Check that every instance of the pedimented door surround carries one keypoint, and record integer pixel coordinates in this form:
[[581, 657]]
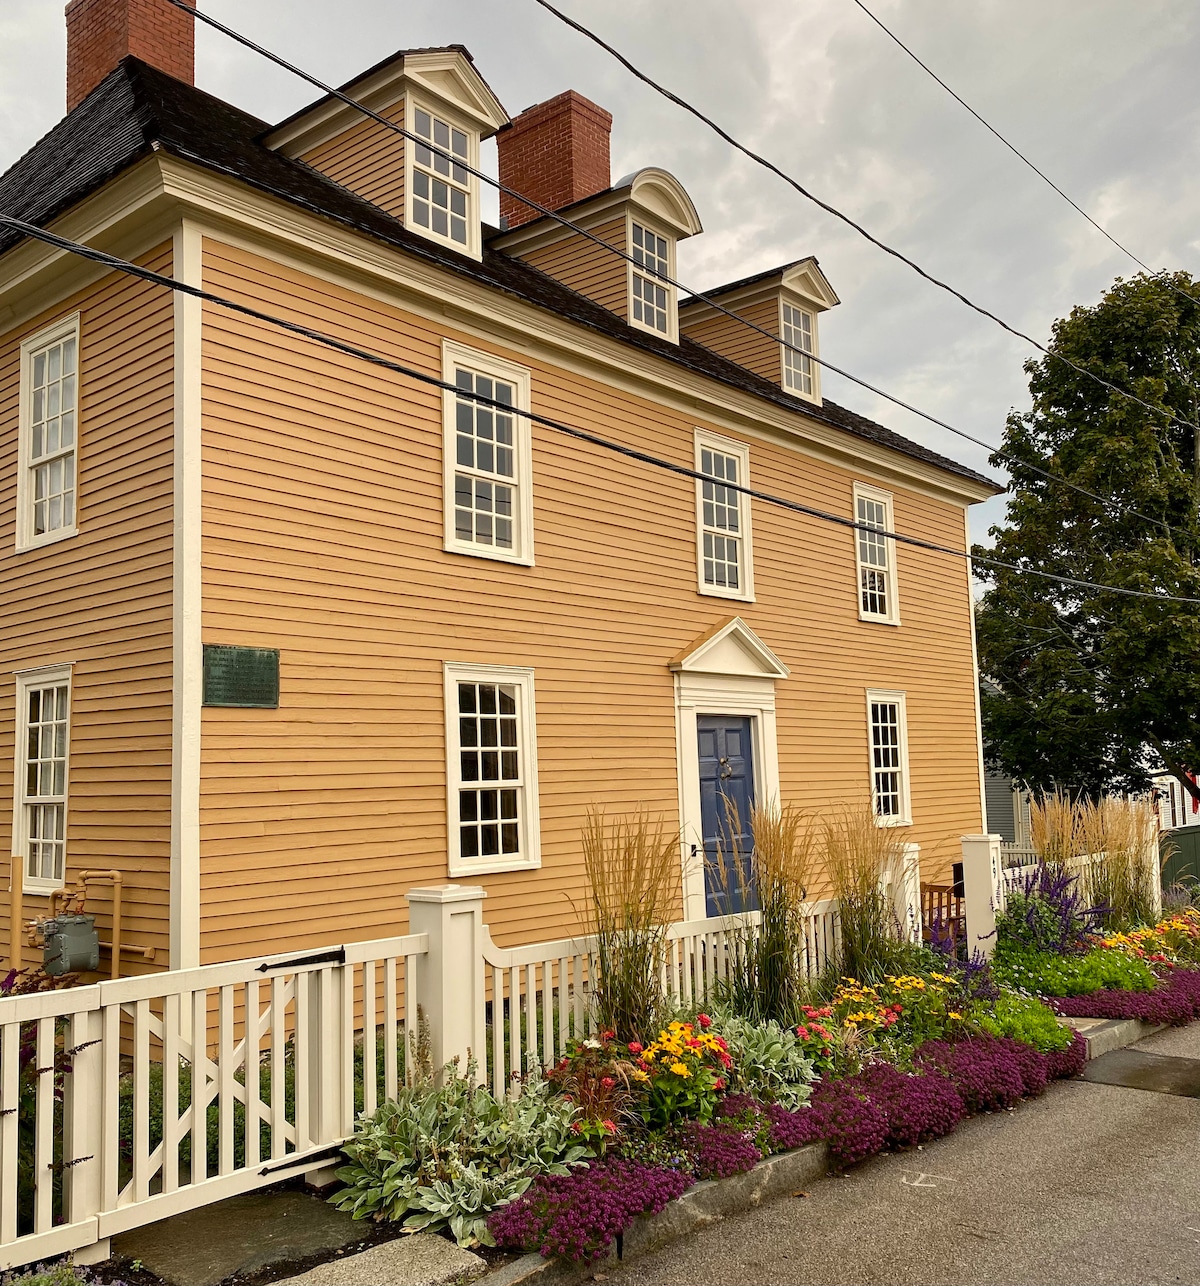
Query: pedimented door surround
[[728, 671]]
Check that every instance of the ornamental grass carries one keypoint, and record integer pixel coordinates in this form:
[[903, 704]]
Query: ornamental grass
[[632, 866], [770, 977], [864, 861], [1121, 835]]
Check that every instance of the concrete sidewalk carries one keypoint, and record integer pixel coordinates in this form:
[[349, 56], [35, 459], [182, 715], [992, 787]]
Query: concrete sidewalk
[[1093, 1184]]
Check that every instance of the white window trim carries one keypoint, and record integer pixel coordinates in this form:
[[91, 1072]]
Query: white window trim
[[454, 354], [61, 330], [714, 441], [43, 676], [672, 333], [474, 246], [521, 677], [815, 395], [892, 616], [900, 699]]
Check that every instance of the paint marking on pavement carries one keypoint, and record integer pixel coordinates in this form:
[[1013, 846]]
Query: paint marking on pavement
[[919, 1181]]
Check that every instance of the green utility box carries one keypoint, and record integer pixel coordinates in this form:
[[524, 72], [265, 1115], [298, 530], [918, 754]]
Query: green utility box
[[71, 945]]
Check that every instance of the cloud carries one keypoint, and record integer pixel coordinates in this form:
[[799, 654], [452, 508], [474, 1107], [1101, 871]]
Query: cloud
[[1100, 93]]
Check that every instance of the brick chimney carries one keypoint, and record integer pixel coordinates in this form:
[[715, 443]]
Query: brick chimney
[[555, 152], [101, 32]]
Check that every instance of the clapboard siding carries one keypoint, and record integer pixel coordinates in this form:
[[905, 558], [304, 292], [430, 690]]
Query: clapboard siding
[[102, 599], [588, 268], [323, 537], [368, 158], [735, 340]]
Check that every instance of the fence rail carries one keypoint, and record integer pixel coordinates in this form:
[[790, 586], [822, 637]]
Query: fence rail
[[536, 998]]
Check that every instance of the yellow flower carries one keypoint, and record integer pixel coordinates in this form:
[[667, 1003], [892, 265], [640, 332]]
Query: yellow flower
[[954, 1015], [680, 1070]]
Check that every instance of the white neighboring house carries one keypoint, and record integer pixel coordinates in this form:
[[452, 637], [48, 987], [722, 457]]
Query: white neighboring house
[[1176, 808]]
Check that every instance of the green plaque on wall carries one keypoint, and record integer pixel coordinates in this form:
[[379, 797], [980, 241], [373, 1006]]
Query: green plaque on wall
[[247, 677]]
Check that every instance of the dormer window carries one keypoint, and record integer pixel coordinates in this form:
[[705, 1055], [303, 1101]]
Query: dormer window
[[798, 328], [441, 189], [651, 303]]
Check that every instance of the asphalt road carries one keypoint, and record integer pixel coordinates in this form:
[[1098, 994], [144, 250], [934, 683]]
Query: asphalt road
[[1089, 1184]]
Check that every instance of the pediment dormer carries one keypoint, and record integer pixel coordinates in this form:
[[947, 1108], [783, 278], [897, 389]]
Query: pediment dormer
[[731, 649], [434, 93], [784, 303]]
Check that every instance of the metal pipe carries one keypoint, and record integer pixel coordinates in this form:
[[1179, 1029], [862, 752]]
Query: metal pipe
[[16, 891], [114, 878]]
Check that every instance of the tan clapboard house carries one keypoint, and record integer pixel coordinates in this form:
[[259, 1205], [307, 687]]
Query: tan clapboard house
[[285, 634]]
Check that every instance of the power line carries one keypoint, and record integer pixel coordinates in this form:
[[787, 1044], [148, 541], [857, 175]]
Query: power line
[[847, 220], [582, 435], [887, 31], [562, 220]]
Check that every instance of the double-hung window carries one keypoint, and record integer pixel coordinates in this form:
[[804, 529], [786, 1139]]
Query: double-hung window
[[724, 558], [488, 457], [887, 726], [441, 187], [492, 769], [652, 304], [43, 739], [875, 556], [49, 418], [799, 369]]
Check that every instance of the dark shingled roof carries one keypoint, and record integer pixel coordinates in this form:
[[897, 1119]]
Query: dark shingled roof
[[138, 109]]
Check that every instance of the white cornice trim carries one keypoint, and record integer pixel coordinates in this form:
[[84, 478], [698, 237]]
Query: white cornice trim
[[269, 226]]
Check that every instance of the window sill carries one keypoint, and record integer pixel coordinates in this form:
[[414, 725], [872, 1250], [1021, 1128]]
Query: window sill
[[670, 336], [42, 889], [40, 542], [737, 596], [464, 869], [491, 555], [878, 620], [890, 823]]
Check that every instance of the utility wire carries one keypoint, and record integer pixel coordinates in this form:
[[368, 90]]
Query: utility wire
[[565, 222], [846, 219], [987, 125], [116, 264]]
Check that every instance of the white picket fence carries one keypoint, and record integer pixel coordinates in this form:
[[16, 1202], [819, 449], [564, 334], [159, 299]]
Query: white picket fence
[[536, 998], [126, 1102], [109, 1093]]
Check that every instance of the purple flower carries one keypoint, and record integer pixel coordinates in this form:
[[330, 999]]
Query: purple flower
[[578, 1215], [1175, 1001]]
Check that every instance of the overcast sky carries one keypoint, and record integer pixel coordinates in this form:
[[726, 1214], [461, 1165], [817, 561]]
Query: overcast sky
[[1101, 94]]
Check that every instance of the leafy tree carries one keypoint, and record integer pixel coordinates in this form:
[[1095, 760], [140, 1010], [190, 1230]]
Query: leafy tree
[[1096, 690]]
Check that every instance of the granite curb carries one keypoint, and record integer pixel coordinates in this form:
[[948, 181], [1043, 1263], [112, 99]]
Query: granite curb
[[1103, 1035]]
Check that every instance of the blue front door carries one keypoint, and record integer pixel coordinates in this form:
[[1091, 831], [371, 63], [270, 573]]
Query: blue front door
[[726, 791]]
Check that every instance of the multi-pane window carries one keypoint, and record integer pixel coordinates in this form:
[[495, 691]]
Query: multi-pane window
[[485, 480], [650, 295], [487, 450], [492, 777], [874, 550], [889, 756], [722, 515], [50, 432], [797, 334], [441, 192], [42, 776]]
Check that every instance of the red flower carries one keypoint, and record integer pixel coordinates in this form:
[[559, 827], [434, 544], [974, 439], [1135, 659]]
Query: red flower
[[705, 1021], [719, 1083], [899, 1009], [635, 1047], [607, 1082], [726, 1060], [609, 1126], [802, 1032], [720, 1040], [608, 1035]]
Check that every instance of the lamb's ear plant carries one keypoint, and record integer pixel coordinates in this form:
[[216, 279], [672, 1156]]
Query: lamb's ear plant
[[445, 1156], [633, 870], [768, 1061]]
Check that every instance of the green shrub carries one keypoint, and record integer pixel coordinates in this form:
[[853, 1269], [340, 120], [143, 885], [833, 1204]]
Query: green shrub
[[445, 1156], [54, 1275], [768, 1061], [1045, 973], [1026, 1019]]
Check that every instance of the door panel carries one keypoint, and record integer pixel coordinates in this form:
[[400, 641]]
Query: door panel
[[726, 782]]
